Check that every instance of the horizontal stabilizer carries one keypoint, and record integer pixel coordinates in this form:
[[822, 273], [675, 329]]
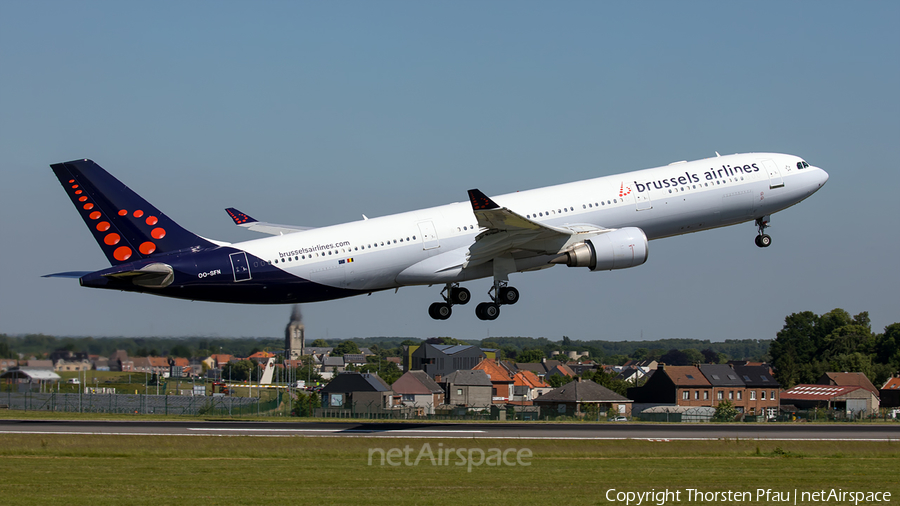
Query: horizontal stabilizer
[[69, 274], [158, 275], [245, 220]]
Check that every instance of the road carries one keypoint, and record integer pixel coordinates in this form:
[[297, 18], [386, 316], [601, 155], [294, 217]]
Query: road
[[609, 430]]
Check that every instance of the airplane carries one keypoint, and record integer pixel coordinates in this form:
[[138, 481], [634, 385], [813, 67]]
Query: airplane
[[600, 224]]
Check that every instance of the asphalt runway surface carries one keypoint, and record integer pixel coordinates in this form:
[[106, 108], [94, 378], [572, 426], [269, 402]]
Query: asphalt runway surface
[[599, 431]]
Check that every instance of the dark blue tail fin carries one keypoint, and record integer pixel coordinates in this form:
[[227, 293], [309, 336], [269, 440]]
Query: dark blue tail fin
[[126, 226]]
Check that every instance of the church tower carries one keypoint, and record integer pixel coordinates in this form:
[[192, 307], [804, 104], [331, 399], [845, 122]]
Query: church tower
[[294, 336]]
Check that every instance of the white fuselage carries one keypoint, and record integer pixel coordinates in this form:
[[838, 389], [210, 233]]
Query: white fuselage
[[428, 246]]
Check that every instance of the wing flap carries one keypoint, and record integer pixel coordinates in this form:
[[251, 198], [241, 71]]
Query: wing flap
[[506, 232]]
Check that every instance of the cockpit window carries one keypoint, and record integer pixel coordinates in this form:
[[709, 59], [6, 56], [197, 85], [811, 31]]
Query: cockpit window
[[802, 165]]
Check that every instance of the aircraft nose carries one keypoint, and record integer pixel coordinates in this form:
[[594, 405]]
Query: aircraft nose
[[823, 177]]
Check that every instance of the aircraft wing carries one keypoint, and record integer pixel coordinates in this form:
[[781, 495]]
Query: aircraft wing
[[244, 220], [506, 232]]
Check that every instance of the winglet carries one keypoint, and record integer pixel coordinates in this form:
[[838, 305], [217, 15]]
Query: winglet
[[481, 201], [239, 217]]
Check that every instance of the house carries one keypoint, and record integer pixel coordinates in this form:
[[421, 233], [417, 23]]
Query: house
[[467, 388], [360, 392], [318, 350], [418, 390], [682, 385], [151, 365], [119, 361], [575, 397], [848, 399], [633, 375], [355, 359], [645, 365], [8, 363], [333, 365], [501, 380], [527, 387], [890, 393], [261, 356], [848, 379], [761, 396], [540, 369], [725, 383], [442, 359]]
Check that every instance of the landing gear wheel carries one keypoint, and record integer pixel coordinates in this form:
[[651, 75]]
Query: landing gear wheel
[[460, 295], [440, 310], [508, 295], [487, 311], [763, 241]]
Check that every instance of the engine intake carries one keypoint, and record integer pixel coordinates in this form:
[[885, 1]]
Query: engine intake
[[619, 249]]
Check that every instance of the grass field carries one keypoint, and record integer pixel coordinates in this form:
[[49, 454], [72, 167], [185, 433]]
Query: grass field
[[100, 470]]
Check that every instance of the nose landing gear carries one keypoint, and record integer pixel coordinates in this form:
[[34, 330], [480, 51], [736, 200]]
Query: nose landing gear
[[762, 239]]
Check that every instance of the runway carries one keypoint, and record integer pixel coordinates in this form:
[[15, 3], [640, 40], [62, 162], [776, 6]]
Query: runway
[[529, 430]]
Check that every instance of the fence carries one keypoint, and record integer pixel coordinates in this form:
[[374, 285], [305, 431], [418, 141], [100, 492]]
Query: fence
[[142, 404]]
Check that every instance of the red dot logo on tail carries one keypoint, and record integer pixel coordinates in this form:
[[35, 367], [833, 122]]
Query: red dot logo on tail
[[122, 253]]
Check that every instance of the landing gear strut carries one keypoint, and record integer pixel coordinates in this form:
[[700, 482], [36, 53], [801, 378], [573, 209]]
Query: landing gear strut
[[452, 294], [762, 239], [500, 294]]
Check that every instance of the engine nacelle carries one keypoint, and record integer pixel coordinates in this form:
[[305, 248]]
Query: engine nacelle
[[619, 249]]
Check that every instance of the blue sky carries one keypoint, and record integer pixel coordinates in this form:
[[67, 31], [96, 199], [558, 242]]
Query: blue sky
[[316, 113]]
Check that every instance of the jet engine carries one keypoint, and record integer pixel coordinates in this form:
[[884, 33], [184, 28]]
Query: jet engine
[[618, 249]]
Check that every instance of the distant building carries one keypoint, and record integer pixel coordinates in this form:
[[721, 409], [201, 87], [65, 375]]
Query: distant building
[[442, 359], [294, 336], [467, 388], [360, 392], [890, 393], [418, 390], [575, 397], [849, 399], [848, 379], [501, 380]]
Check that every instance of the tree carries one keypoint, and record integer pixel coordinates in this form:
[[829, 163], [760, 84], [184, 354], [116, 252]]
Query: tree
[[709, 356], [532, 356], [5, 349], [675, 357], [558, 380], [345, 348], [725, 412], [240, 370], [319, 343], [181, 350], [639, 353], [306, 404]]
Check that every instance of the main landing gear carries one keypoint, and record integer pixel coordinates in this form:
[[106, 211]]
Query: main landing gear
[[500, 294], [453, 294], [762, 239]]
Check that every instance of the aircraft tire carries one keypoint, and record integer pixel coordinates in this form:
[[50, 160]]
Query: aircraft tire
[[508, 295], [460, 295], [764, 241], [487, 311], [440, 310]]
